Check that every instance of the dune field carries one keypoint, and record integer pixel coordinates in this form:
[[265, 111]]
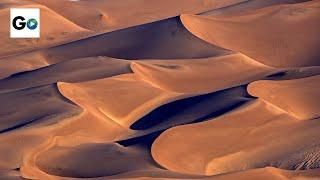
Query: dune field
[[162, 89]]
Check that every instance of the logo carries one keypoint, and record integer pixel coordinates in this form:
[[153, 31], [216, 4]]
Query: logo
[[32, 24], [25, 23]]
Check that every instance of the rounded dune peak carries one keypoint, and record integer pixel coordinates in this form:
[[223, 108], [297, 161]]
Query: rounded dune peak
[[252, 136], [280, 36], [204, 74], [161, 89], [298, 97], [123, 99]]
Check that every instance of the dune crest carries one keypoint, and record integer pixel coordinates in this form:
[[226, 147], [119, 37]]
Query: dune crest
[[118, 102], [72, 71], [122, 44], [219, 139], [299, 97], [54, 30], [170, 89], [281, 36], [111, 15], [204, 74]]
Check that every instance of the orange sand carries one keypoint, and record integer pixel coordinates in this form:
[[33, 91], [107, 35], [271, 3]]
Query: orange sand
[[148, 89]]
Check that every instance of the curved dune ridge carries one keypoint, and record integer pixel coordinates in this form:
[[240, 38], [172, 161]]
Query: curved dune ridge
[[112, 14], [139, 89], [75, 70], [55, 29], [299, 97], [62, 24], [206, 74], [122, 104], [221, 151], [89, 155], [283, 36], [132, 43], [241, 7]]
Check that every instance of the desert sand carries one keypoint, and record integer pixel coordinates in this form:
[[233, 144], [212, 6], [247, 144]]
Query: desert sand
[[264, 34], [140, 90]]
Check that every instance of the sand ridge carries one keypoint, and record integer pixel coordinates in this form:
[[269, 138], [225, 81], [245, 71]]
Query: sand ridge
[[206, 74], [139, 89], [55, 29], [236, 156], [272, 35], [122, 44]]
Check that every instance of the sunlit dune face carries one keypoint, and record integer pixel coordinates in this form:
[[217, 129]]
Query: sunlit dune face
[[170, 89]]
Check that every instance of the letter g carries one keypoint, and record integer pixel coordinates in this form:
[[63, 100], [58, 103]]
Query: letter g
[[19, 26]]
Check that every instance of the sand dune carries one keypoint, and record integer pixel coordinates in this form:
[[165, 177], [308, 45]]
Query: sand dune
[[15, 114], [193, 109], [112, 14], [54, 30], [45, 107], [37, 137], [147, 89], [205, 74], [145, 94], [299, 97], [62, 25], [269, 173], [242, 7], [97, 160], [221, 151], [139, 99], [285, 35], [262, 173], [133, 43], [10, 175], [21, 63], [102, 108], [295, 73], [60, 152], [76, 70], [9, 3]]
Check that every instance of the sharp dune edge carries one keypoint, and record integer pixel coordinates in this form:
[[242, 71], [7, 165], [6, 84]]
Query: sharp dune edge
[[162, 90]]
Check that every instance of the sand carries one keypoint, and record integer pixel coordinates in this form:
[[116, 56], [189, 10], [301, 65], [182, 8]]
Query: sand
[[118, 102], [131, 43], [242, 7], [221, 151], [139, 90], [75, 70], [278, 36], [55, 29], [206, 74], [111, 15], [297, 97]]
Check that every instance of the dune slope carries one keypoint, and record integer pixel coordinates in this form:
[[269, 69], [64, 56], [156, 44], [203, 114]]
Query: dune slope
[[76, 70], [242, 7], [170, 89], [110, 15], [137, 42], [213, 147], [282, 36], [299, 97], [55, 29], [205, 74]]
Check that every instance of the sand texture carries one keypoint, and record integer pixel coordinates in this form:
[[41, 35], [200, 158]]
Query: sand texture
[[162, 90]]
